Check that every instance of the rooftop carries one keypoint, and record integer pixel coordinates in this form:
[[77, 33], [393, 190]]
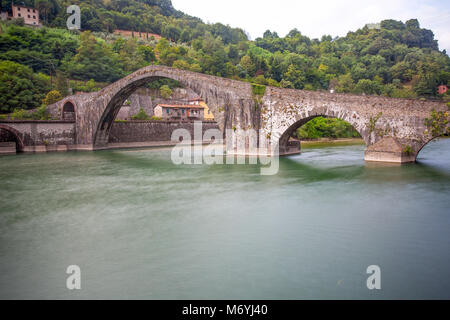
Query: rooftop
[[180, 106], [21, 6]]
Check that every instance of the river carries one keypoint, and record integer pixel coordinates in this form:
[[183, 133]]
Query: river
[[140, 227]]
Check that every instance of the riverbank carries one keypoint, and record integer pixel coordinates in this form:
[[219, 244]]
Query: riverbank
[[327, 142]]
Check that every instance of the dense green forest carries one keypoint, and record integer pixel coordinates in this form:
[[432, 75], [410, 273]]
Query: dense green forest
[[395, 59], [324, 127]]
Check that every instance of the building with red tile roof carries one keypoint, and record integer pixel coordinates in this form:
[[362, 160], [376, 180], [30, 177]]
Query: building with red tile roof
[[179, 112]]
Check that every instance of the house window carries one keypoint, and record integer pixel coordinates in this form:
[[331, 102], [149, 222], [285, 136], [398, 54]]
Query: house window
[[19, 15], [28, 10], [18, 9], [34, 17], [28, 16], [182, 111]]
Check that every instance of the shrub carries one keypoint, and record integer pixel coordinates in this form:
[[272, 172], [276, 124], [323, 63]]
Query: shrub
[[20, 114], [141, 115], [272, 82], [403, 93], [88, 86], [258, 89], [260, 80], [407, 149], [196, 67], [41, 113]]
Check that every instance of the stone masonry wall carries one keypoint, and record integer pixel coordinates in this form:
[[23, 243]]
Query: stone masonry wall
[[42, 133]]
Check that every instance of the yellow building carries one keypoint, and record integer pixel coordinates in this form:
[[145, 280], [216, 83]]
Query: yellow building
[[207, 115]]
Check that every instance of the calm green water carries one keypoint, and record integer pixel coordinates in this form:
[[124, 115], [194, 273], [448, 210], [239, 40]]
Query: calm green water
[[140, 227]]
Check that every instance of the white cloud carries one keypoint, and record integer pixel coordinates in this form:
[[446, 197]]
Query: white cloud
[[320, 17]]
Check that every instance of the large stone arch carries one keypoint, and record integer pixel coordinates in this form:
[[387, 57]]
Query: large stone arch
[[297, 121], [222, 96], [17, 135], [285, 110]]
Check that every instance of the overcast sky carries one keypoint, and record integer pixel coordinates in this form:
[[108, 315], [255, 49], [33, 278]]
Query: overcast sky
[[315, 18]]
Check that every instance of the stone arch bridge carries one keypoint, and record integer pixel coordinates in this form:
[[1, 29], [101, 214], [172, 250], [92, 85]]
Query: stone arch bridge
[[393, 129]]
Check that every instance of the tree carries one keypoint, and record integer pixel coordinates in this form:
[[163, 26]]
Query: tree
[[181, 64], [171, 32], [130, 56], [44, 8], [326, 127], [52, 97], [428, 78], [368, 86], [147, 53], [94, 60], [20, 87], [61, 84], [402, 70], [345, 84], [247, 65], [295, 76], [165, 92]]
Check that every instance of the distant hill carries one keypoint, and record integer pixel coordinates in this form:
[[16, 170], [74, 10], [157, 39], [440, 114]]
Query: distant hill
[[155, 16], [391, 58]]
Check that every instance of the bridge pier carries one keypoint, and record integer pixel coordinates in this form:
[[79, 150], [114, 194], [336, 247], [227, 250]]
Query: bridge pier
[[291, 148], [392, 157], [391, 150]]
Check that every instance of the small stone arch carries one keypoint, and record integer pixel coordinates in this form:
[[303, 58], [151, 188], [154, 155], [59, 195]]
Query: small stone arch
[[68, 112], [17, 136]]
